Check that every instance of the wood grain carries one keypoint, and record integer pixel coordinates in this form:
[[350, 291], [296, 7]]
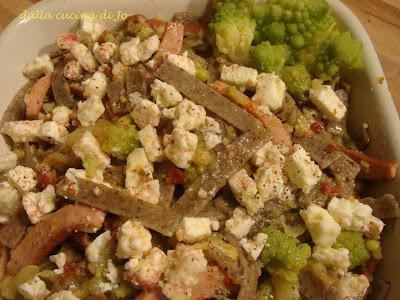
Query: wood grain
[[381, 19]]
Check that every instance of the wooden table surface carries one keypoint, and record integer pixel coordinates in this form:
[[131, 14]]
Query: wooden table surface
[[381, 18]]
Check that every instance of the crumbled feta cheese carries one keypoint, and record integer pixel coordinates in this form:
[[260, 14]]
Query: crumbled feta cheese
[[119, 70], [322, 226], [245, 190], [254, 246], [34, 289], [8, 159], [138, 168], [144, 111], [73, 70], [268, 154], [62, 295], [104, 52], [270, 91], [240, 76], [180, 147], [67, 40], [129, 51], [188, 116], [214, 225], [352, 286], [165, 94], [93, 251], [325, 99], [270, 182], [148, 191], [103, 287], [60, 259], [85, 58], [36, 205], [211, 132], [61, 115], [90, 110], [72, 175], [39, 66], [148, 47], [94, 30], [111, 272], [183, 62], [23, 131], [351, 215], [151, 143], [147, 271], [184, 266], [239, 224], [96, 85], [9, 202], [374, 228], [134, 240], [53, 132], [192, 230], [23, 178], [337, 259], [87, 147], [301, 170]]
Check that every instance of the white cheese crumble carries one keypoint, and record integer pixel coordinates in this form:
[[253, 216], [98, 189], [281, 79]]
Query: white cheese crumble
[[180, 147], [254, 246], [187, 115], [301, 170], [245, 190], [239, 224], [183, 62], [327, 102], [62, 115], [134, 240], [93, 29], [240, 76], [93, 251], [95, 86], [138, 169], [192, 230], [8, 159], [151, 143], [148, 47], [73, 70], [37, 205], [322, 226], [39, 66], [23, 131], [350, 214], [336, 259], [53, 133], [270, 91], [90, 110], [165, 94], [60, 259], [129, 51], [9, 202], [84, 56], [23, 178], [34, 289], [211, 132], [144, 111]]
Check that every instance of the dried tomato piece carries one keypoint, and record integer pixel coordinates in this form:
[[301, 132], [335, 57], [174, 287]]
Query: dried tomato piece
[[46, 176], [176, 176], [329, 189], [317, 126], [331, 148]]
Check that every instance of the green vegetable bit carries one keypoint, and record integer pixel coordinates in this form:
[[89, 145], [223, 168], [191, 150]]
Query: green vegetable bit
[[268, 58], [283, 255], [354, 242], [9, 284], [121, 138], [297, 79]]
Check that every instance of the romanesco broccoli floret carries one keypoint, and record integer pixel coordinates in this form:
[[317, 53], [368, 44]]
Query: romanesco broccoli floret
[[292, 22], [234, 29], [339, 51], [297, 79], [121, 138], [268, 58], [283, 255], [354, 242]]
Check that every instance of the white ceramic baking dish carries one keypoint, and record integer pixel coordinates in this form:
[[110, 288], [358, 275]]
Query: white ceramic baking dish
[[371, 101]]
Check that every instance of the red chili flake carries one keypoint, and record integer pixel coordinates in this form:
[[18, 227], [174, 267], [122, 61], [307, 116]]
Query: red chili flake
[[330, 148], [317, 126], [369, 267], [176, 176], [329, 188], [46, 176]]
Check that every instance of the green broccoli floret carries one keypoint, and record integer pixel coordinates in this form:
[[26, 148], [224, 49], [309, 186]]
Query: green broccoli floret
[[268, 58], [121, 138], [234, 29], [297, 79], [283, 255], [340, 51], [354, 242]]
